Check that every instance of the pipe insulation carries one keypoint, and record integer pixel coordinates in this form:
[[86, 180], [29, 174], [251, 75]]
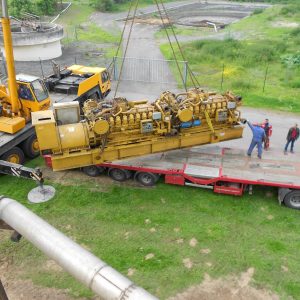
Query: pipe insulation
[[80, 263]]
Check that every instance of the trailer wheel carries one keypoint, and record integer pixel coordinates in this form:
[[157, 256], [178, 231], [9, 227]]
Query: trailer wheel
[[147, 179], [14, 155], [118, 174], [292, 199], [93, 171], [31, 147]]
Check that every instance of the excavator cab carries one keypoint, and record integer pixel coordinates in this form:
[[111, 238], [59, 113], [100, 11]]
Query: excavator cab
[[32, 93]]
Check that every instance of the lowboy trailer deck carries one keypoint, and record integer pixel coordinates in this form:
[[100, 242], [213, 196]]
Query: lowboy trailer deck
[[224, 170]]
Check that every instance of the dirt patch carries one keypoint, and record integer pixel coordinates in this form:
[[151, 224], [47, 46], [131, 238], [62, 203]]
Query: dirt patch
[[25, 289], [153, 21], [100, 183], [231, 288]]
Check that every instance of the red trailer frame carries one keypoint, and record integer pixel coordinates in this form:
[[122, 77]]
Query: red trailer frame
[[224, 170]]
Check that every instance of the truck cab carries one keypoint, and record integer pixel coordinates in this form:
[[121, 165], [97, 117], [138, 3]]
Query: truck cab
[[78, 83]]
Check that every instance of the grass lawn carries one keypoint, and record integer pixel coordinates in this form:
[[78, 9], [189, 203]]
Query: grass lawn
[[252, 231], [268, 55]]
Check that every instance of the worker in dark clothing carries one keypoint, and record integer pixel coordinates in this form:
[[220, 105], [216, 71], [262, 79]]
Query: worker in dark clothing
[[257, 139], [268, 131], [292, 136]]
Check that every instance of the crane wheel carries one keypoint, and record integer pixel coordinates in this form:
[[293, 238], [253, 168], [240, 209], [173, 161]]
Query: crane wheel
[[14, 155], [118, 174], [292, 199], [31, 147], [146, 178]]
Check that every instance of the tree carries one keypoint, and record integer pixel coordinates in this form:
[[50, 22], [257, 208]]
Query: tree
[[102, 5], [18, 7], [46, 7]]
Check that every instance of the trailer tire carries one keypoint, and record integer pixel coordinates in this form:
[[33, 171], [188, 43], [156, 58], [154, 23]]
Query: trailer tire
[[92, 171], [292, 199], [118, 174], [146, 178], [30, 147], [14, 155]]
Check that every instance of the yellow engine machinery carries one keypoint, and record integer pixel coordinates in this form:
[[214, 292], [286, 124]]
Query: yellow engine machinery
[[122, 128]]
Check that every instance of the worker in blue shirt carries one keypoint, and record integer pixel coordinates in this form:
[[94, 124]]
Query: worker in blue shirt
[[259, 136]]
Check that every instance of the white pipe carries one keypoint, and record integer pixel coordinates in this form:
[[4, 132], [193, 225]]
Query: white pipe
[[83, 265], [213, 24]]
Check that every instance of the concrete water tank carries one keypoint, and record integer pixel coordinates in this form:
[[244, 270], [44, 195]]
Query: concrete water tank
[[35, 41]]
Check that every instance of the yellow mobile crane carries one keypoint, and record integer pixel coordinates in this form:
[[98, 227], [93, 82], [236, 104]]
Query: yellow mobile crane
[[27, 93], [23, 96]]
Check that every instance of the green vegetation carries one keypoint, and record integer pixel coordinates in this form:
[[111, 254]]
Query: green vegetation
[[94, 33], [252, 231], [77, 27], [264, 67], [38, 7], [184, 31], [116, 5]]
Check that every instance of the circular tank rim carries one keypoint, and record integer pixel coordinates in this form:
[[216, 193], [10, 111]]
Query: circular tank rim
[[49, 35]]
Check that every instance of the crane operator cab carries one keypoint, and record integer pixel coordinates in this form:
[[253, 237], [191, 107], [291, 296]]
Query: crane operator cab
[[32, 93], [32, 96]]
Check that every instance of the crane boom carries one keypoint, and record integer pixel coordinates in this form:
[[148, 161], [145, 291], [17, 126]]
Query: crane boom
[[8, 46]]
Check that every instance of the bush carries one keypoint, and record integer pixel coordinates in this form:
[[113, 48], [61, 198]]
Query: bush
[[257, 11], [102, 5], [46, 7], [295, 84], [296, 32], [242, 85], [291, 60]]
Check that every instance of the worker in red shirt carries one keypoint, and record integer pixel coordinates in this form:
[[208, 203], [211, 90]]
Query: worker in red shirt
[[292, 136], [268, 131]]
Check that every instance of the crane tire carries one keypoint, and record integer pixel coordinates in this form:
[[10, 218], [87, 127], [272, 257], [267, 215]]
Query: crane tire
[[30, 147], [14, 155]]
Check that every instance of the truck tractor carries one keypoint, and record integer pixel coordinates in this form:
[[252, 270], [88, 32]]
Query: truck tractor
[[78, 83]]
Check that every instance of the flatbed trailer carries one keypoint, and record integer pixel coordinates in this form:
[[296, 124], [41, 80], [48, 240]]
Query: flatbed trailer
[[223, 170]]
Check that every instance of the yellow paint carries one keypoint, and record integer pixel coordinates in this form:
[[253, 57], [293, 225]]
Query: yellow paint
[[131, 129], [9, 56], [11, 125]]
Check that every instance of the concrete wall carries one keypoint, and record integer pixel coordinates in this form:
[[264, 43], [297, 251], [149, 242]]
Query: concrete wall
[[36, 45], [36, 52]]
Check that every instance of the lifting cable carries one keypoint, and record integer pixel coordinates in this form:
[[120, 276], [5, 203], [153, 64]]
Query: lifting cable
[[122, 34], [173, 51], [127, 43], [192, 75], [160, 10]]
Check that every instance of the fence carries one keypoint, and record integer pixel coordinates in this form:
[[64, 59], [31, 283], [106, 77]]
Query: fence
[[148, 70]]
